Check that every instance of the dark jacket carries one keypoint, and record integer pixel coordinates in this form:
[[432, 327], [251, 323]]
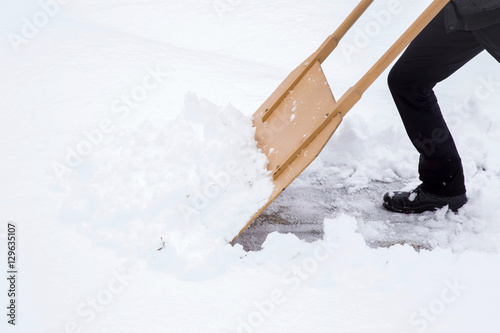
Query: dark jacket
[[471, 14], [468, 7]]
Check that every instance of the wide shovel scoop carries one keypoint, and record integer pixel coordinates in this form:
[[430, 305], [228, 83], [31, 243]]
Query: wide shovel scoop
[[297, 120]]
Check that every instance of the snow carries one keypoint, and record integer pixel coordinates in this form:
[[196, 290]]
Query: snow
[[189, 171], [128, 163]]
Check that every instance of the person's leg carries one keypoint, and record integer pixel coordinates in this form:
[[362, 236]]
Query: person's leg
[[432, 57]]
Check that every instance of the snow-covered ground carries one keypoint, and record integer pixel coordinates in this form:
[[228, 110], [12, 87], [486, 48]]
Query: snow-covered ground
[[128, 162]]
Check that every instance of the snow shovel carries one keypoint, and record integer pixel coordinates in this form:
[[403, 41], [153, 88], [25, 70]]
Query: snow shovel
[[297, 120]]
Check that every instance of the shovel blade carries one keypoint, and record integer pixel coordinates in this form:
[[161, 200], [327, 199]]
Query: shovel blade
[[293, 133]]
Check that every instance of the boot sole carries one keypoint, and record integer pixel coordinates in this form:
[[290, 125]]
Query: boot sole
[[453, 206]]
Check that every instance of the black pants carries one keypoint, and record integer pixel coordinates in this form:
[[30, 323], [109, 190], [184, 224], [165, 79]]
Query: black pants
[[432, 57]]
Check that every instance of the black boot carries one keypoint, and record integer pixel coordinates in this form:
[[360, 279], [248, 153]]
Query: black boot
[[418, 201]]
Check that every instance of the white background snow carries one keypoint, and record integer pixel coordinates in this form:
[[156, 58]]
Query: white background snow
[[128, 161]]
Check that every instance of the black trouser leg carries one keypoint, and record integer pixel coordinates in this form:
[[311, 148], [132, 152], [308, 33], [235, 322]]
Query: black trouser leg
[[432, 57]]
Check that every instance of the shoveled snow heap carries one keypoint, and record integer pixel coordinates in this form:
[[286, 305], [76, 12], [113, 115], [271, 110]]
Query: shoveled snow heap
[[187, 182]]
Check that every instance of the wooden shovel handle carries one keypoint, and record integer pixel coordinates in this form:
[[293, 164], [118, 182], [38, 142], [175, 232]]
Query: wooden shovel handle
[[333, 40], [353, 94], [320, 55]]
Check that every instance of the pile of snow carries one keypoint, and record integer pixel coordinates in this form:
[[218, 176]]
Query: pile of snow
[[184, 183]]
